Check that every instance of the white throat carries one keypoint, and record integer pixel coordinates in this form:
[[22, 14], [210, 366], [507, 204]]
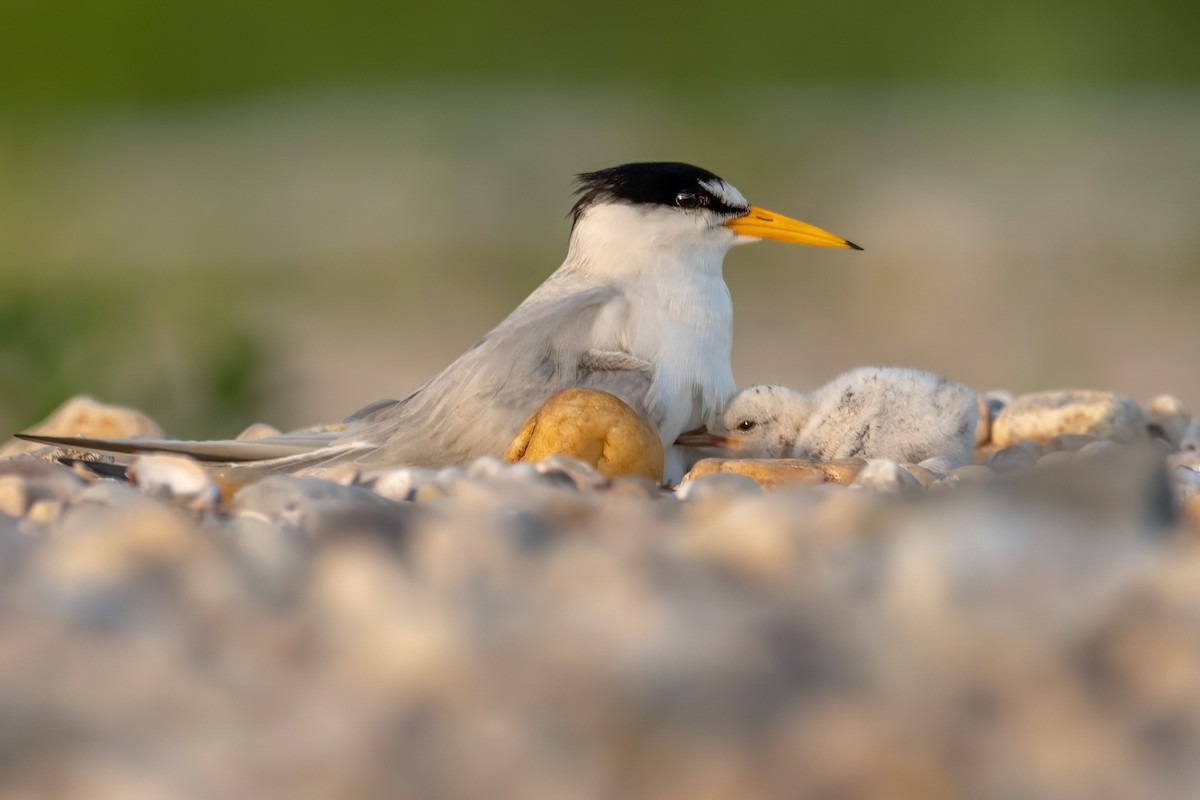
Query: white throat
[[678, 312]]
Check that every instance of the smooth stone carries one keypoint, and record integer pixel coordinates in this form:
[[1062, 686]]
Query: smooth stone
[[634, 487], [1054, 458], [885, 475], [596, 427], [345, 474], [174, 478], [318, 507], [1042, 415], [1168, 417], [767, 472], [996, 400], [429, 493], [583, 475], [923, 476], [486, 467], [402, 483], [86, 416], [44, 510], [971, 473], [941, 467], [1190, 441], [259, 430], [1021, 455], [983, 425], [13, 497], [1069, 442], [1186, 479], [1189, 459], [1100, 447], [717, 485]]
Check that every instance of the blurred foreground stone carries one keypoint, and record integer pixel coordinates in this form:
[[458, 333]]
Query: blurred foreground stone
[[1025, 629], [85, 416]]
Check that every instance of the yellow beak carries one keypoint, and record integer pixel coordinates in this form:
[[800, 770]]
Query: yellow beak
[[762, 224]]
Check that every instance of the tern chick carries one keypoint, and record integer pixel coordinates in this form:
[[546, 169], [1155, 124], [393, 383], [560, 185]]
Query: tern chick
[[639, 309], [902, 414]]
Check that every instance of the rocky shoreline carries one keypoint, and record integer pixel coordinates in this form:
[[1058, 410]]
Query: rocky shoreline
[[1026, 625]]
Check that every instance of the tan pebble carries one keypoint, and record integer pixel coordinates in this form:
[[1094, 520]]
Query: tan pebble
[[1168, 417], [972, 472], [342, 474], [13, 497], [174, 477], [44, 510], [597, 428], [428, 493], [634, 488], [1191, 437], [583, 475], [259, 430], [1070, 442], [884, 475], [1055, 457], [402, 483], [1021, 455], [983, 425], [1101, 447], [843, 470], [1042, 415], [85, 416], [720, 486], [923, 476], [767, 472]]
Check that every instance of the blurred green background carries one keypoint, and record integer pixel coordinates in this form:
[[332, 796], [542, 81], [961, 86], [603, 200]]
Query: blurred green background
[[229, 211]]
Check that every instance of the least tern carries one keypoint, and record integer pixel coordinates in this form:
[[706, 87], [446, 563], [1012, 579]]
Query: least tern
[[639, 308], [902, 414]]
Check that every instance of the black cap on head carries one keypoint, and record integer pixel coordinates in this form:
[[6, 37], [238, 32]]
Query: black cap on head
[[667, 183]]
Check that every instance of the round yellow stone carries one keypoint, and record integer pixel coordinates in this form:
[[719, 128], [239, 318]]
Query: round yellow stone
[[595, 427]]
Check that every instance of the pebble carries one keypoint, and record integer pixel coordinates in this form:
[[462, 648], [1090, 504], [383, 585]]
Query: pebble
[[738, 640], [1168, 417], [971, 473], [1101, 447], [318, 507], [486, 467], [596, 427], [259, 430], [401, 483], [1070, 442], [13, 497], [1054, 458], [1021, 455], [581, 474], [1190, 441], [996, 400], [923, 476], [941, 467], [884, 475], [772, 472], [86, 416], [717, 486], [174, 478], [1043, 415]]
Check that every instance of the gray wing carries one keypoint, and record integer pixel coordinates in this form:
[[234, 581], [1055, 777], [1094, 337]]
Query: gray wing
[[476, 405]]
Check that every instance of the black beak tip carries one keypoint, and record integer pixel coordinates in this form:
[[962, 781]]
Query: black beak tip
[[853, 246]]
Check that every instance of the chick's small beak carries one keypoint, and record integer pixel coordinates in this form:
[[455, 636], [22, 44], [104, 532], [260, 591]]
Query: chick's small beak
[[702, 437], [762, 224]]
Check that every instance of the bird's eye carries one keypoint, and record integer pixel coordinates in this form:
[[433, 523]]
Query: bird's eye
[[746, 425], [687, 199]]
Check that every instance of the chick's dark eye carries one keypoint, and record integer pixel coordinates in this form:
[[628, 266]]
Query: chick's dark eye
[[687, 199], [746, 425]]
